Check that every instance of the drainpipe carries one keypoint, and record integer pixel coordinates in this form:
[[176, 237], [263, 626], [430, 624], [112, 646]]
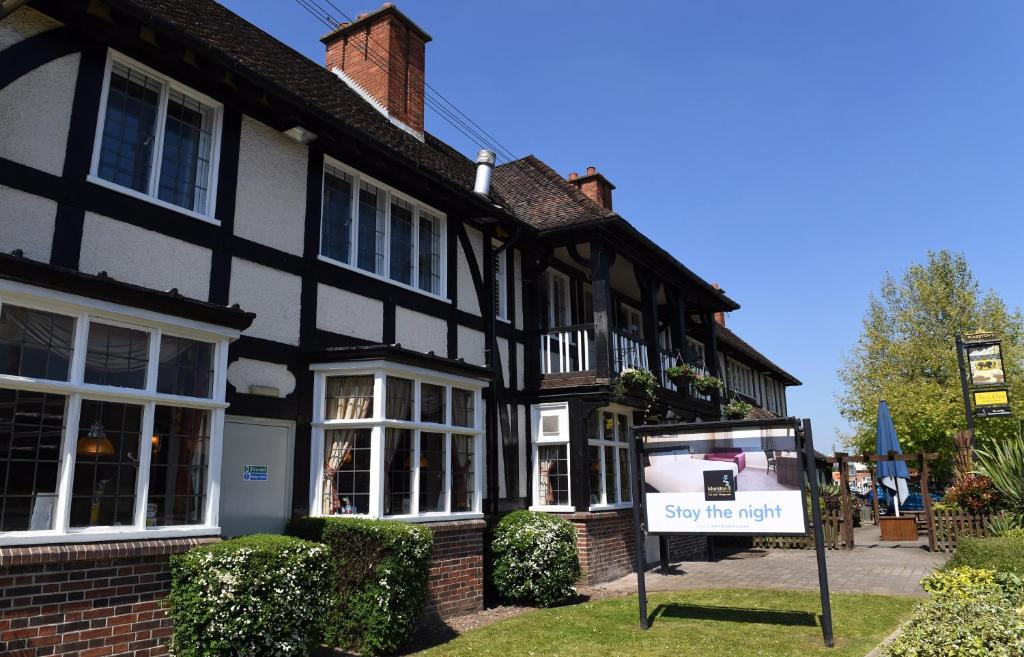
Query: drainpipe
[[8, 7]]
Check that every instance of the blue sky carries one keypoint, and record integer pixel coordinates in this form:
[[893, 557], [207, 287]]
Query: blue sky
[[791, 151]]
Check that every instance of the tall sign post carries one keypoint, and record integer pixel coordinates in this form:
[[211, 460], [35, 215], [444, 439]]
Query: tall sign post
[[982, 378], [742, 478]]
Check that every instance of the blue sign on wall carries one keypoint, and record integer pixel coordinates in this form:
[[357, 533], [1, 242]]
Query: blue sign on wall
[[255, 472]]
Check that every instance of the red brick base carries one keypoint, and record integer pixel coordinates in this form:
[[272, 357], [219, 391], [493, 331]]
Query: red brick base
[[456, 584], [605, 543], [87, 600]]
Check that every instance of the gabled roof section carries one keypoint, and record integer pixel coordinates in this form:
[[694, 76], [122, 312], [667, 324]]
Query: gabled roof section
[[728, 337], [225, 36], [538, 195]]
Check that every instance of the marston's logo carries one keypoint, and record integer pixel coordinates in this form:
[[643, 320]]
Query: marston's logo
[[719, 485]]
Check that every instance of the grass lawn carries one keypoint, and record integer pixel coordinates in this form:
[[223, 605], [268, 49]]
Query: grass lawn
[[736, 622]]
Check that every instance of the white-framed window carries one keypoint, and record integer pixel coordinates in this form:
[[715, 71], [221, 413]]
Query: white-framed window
[[551, 457], [611, 478], [741, 378], [501, 305], [110, 420], [157, 139], [559, 314], [395, 441], [631, 321], [371, 227]]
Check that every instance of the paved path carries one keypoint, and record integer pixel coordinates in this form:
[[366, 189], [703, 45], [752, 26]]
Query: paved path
[[882, 568]]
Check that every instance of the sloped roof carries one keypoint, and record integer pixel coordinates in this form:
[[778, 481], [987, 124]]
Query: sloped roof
[[728, 337], [542, 198]]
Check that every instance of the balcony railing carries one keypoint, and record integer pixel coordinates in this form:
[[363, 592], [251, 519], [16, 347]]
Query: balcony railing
[[670, 358], [629, 352], [567, 349]]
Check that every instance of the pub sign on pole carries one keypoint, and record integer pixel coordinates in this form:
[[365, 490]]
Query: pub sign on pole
[[989, 395]]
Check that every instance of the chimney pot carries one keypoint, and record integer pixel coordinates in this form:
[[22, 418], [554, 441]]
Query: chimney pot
[[591, 171], [573, 175], [595, 186]]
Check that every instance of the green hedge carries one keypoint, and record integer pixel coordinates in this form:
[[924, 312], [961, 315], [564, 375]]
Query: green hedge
[[379, 571], [1001, 553], [255, 595], [535, 558]]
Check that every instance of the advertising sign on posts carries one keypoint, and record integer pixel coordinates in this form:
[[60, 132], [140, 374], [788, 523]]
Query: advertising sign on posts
[[742, 478]]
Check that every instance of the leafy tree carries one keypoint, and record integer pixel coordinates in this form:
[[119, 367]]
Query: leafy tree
[[907, 356]]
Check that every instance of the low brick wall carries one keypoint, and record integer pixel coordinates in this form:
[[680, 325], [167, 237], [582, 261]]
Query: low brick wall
[[687, 548], [605, 542], [456, 584], [87, 600]]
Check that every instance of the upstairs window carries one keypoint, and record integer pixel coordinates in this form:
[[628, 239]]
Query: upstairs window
[[368, 226], [156, 138], [741, 379]]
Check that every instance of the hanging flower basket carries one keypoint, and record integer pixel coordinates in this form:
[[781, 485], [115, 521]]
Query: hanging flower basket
[[706, 385], [737, 409], [682, 375]]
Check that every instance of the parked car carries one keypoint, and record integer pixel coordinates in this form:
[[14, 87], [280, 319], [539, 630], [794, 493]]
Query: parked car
[[914, 501]]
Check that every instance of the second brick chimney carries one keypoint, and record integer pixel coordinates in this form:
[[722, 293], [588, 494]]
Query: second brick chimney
[[595, 186], [383, 54]]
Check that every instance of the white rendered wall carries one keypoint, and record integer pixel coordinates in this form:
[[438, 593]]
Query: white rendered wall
[[340, 311], [144, 257], [246, 372], [468, 300], [270, 207], [273, 295], [517, 282], [503, 354], [421, 332], [22, 24], [35, 111], [471, 346], [26, 223], [521, 369]]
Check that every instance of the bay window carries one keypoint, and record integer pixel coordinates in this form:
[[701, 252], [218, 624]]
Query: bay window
[[156, 138], [551, 457], [380, 231], [108, 429], [608, 449], [395, 441]]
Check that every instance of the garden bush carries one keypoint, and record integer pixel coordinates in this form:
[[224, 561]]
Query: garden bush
[[379, 575], [535, 558], [1004, 554], [974, 494], [255, 595], [985, 622]]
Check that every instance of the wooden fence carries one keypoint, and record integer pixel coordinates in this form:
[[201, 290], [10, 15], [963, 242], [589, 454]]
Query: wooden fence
[[833, 536], [952, 525]]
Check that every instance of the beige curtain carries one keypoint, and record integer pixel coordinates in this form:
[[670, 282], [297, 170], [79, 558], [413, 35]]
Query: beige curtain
[[347, 398]]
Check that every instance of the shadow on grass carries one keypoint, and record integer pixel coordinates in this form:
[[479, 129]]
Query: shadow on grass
[[734, 615]]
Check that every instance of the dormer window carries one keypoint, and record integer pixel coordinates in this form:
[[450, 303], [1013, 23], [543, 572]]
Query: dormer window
[[156, 139]]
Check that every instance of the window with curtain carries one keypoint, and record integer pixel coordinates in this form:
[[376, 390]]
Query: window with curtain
[[551, 456], [157, 138], [369, 226], [130, 456], [426, 457]]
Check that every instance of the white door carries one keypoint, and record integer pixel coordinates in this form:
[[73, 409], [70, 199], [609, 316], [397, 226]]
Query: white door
[[256, 476]]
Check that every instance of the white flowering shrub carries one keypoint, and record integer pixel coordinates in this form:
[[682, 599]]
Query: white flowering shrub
[[379, 577], [251, 596], [535, 558]]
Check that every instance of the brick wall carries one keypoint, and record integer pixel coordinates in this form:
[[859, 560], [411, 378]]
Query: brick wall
[[605, 542], [456, 584], [683, 548], [87, 600]]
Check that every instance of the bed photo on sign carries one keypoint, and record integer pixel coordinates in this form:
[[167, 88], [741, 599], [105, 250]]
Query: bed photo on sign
[[712, 462]]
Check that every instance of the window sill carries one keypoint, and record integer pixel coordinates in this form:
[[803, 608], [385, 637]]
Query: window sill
[[97, 534], [431, 517], [404, 286], [611, 507], [127, 191], [561, 508]]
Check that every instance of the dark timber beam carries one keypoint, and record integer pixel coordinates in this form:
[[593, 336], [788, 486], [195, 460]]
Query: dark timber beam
[[601, 257]]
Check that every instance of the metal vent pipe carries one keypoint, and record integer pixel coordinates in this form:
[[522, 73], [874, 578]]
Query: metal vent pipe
[[484, 168]]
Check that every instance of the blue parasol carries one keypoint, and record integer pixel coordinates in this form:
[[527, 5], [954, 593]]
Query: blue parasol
[[891, 474]]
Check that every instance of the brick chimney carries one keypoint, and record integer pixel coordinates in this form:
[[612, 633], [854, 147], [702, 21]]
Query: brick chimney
[[382, 53], [595, 186]]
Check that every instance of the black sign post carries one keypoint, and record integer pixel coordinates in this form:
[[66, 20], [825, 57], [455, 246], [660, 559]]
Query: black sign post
[[725, 489]]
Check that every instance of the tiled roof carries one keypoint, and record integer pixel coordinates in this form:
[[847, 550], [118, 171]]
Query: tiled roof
[[730, 338], [257, 55], [542, 198]]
